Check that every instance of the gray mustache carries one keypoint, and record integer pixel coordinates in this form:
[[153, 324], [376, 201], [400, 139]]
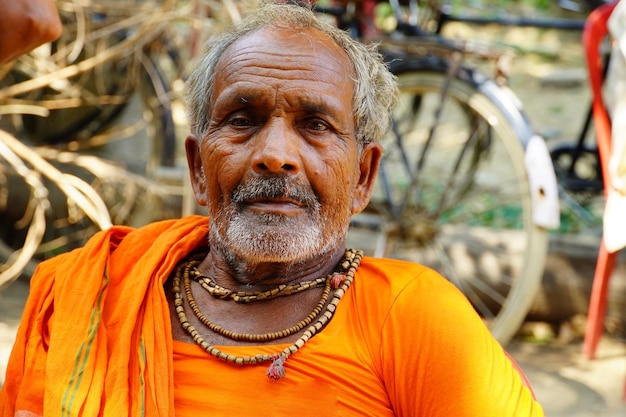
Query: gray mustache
[[274, 187]]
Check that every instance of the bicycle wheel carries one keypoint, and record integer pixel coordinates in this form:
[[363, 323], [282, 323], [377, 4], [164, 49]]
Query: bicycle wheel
[[460, 202]]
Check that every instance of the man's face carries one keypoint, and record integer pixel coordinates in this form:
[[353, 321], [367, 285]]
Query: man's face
[[280, 159]]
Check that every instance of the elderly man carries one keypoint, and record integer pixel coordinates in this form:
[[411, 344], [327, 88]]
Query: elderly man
[[259, 309]]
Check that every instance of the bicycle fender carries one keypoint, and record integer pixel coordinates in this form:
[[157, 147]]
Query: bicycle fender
[[539, 167], [542, 182]]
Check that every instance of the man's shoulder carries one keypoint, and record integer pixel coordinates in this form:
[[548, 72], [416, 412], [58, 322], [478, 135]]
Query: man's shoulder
[[386, 288], [394, 276], [398, 270]]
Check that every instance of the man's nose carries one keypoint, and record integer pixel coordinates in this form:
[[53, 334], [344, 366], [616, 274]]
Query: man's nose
[[277, 149]]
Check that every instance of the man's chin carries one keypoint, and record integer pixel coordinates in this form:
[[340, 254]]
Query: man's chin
[[275, 239], [261, 248]]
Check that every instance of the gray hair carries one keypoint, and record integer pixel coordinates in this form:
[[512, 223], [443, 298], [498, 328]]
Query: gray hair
[[375, 87]]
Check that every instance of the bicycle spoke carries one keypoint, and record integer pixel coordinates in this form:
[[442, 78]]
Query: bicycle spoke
[[468, 204]]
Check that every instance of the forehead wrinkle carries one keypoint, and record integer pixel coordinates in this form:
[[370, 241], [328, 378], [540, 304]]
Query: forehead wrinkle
[[275, 65], [271, 65], [253, 95], [241, 53]]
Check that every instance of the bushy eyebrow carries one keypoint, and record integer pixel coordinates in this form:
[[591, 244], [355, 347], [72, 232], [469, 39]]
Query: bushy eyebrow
[[256, 96], [230, 98], [313, 107]]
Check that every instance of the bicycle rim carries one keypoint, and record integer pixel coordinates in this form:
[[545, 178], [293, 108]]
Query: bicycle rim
[[468, 215]]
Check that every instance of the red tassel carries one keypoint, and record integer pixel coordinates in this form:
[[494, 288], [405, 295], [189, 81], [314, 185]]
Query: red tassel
[[337, 280], [276, 370]]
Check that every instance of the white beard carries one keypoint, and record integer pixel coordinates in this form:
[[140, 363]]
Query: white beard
[[259, 238]]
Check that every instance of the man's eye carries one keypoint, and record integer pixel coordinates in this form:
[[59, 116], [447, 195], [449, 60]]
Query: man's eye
[[317, 125], [240, 122]]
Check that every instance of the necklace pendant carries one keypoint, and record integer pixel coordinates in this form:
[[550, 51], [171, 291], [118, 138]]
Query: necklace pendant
[[277, 370], [337, 280]]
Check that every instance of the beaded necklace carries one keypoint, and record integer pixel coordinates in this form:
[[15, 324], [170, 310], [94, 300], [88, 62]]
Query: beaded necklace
[[209, 284], [266, 337], [340, 281]]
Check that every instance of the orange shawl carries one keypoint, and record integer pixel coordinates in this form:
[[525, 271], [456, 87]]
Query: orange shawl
[[110, 317]]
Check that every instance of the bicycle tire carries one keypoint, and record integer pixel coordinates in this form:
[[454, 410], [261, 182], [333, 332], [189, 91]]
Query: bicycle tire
[[488, 199]]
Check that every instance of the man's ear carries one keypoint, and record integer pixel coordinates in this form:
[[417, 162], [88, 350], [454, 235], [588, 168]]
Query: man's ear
[[196, 173], [368, 168]]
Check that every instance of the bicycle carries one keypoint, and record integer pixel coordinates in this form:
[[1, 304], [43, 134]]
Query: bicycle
[[465, 185]]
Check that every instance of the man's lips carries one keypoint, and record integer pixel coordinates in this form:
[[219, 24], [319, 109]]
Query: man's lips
[[275, 205]]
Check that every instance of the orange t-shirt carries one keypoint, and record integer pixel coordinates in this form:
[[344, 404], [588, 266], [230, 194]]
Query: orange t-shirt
[[96, 340], [403, 342]]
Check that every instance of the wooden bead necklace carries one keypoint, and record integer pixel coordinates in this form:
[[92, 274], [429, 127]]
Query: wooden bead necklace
[[266, 337], [209, 284], [338, 281]]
